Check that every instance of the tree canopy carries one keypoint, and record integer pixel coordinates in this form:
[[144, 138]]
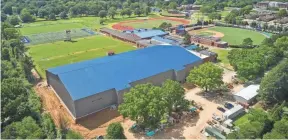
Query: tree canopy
[[273, 87], [207, 76], [148, 105], [115, 131]]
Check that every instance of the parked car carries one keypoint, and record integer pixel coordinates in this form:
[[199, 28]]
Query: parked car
[[228, 105], [215, 117], [221, 109]]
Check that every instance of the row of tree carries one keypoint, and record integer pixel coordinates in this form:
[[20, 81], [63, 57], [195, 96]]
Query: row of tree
[[28, 11], [21, 109]]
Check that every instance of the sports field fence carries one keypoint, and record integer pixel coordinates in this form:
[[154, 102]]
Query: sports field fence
[[51, 37]]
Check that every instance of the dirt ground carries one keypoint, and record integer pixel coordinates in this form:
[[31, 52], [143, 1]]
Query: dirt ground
[[216, 34], [96, 124]]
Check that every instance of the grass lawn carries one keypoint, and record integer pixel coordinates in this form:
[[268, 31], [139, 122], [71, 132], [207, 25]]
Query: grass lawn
[[235, 36], [198, 16], [60, 53], [43, 26], [222, 55], [151, 23], [242, 120]]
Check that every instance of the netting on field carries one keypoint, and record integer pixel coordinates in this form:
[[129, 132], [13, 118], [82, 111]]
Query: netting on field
[[57, 36]]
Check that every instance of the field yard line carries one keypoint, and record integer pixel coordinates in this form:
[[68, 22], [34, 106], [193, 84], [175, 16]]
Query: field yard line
[[79, 52]]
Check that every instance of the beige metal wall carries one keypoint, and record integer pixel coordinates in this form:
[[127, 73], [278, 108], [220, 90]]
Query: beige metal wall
[[96, 102], [61, 91]]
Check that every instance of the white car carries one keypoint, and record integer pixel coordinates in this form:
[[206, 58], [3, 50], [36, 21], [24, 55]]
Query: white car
[[215, 117]]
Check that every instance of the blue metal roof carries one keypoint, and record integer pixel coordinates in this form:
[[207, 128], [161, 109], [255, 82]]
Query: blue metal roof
[[90, 77], [192, 47], [150, 33]]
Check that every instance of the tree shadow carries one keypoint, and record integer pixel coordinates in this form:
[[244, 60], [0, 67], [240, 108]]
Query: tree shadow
[[217, 97], [173, 132]]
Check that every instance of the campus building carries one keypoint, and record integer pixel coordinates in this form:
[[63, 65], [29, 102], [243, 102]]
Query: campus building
[[90, 86], [209, 40]]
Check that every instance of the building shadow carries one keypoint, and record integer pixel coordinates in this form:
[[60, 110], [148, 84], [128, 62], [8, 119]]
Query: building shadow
[[173, 132], [100, 119]]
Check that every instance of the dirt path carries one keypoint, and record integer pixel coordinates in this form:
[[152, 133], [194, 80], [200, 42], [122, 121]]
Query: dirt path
[[121, 25]]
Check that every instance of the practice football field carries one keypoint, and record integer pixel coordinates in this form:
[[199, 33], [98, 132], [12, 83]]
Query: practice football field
[[235, 36], [60, 53]]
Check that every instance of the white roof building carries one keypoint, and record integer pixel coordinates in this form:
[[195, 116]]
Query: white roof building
[[233, 112], [247, 95]]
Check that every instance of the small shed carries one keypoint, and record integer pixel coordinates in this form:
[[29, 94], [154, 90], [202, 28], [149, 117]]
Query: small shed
[[247, 95], [234, 112]]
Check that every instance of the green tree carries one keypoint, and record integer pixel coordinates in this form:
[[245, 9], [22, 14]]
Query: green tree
[[115, 131], [102, 14], [147, 10], [112, 12], [128, 12], [73, 135], [275, 113], [187, 39], [282, 13], [273, 87], [247, 42], [251, 130], [207, 76], [7, 8], [14, 94], [52, 16], [13, 20], [123, 12], [144, 104], [26, 129], [137, 12], [253, 24], [282, 43], [3, 17], [63, 15], [26, 16], [48, 126], [173, 5], [42, 12], [174, 94], [5, 54], [101, 21]]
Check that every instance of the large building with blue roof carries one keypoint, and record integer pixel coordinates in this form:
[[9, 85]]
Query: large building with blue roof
[[90, 86]]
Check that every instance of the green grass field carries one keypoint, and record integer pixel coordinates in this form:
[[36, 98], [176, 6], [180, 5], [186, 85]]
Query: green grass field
[[60, 53], [222, 55], [43, 26], [151, 23], [235, 36]]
